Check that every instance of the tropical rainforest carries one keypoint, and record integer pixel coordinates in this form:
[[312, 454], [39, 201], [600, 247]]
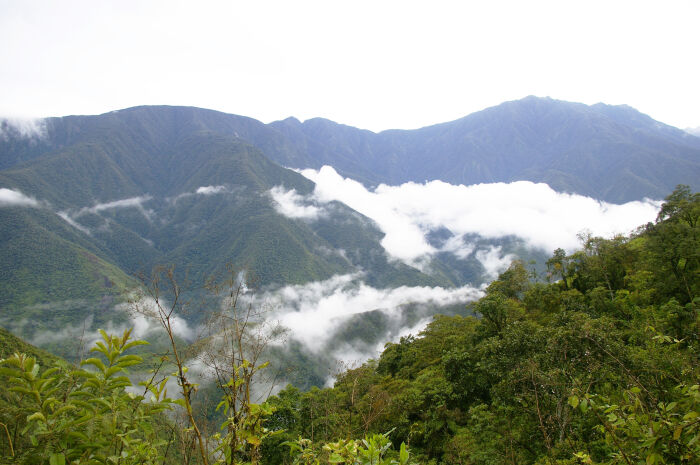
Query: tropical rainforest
[[594, 362]]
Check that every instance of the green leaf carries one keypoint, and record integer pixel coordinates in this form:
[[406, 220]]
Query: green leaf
[[95, 362], [677, 433], [403, 454], [133, 344], [37, 416], [584, 405], [57, 459]]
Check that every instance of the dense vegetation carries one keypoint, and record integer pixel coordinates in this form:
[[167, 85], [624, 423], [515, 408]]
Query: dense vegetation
[[66, 260], [72, 258], [599, 365]]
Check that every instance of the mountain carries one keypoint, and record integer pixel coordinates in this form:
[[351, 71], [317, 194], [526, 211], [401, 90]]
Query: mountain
[[118, 193], [612, 153], [87, 201]]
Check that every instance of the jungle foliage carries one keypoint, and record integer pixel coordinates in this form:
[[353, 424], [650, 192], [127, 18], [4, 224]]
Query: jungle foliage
[[595, 363]]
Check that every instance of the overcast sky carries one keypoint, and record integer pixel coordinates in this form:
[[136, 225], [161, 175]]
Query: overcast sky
[[370, 64]]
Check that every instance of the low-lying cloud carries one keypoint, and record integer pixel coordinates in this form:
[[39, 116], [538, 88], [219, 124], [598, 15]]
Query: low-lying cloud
[[70, 216], [534, 212], [13, 198], [26, 128], [143, 316], [139, 315], [203, 190], [65, 217], [131, 202], [315, 312], [210, 190], [292, 205]]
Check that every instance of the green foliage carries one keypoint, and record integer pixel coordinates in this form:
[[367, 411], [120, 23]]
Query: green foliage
[[600, 365], [84, 415], [639, 428], [371, 450], [597, 367]]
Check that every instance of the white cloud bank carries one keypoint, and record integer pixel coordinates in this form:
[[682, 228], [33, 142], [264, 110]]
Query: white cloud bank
[[27, 128], [292, 205], [536, 213], [13, 198], [210, 190], [314, 312]]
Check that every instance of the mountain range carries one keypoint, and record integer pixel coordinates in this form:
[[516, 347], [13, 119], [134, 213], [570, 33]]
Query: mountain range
[[105, 196]]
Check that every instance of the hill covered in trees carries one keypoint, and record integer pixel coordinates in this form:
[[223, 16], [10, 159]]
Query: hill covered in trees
[[596, 364]]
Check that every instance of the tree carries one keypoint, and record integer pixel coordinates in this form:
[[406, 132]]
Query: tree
[[86, 415], [674, 245], [234, 338]]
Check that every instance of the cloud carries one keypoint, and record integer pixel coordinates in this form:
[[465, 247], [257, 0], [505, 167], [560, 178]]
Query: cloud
[[404, 239], [131, 202], [693, 131], [203, 190], [143, 317], [458, 247], [12, 198], [534, 212], [314, 312], [210, 190], [140, 315], [72, 222], [28, 128], [291, 204], [493, 262], [356, 354]]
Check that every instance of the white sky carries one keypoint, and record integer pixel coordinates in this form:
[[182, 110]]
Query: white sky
[[372, 64]]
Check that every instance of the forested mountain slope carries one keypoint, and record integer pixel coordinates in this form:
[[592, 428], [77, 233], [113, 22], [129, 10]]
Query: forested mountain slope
[[612, 153], [598, 364], [97, 199], [90, 200]]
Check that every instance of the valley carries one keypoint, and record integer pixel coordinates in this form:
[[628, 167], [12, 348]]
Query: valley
[[317, 209]]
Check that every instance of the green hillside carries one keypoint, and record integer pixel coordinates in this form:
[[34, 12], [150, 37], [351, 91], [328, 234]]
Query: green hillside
[[122, 192], [10, 344], [596, 364]]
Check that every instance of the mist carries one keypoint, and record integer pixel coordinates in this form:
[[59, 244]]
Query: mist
[[543, 218], [210, 190], [131, 202], [292, 205], [26, 128], [315, 312], [203, 190], [13, 198], [70, 216]]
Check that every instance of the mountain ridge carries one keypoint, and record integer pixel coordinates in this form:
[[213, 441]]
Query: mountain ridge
[[120, 192]]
